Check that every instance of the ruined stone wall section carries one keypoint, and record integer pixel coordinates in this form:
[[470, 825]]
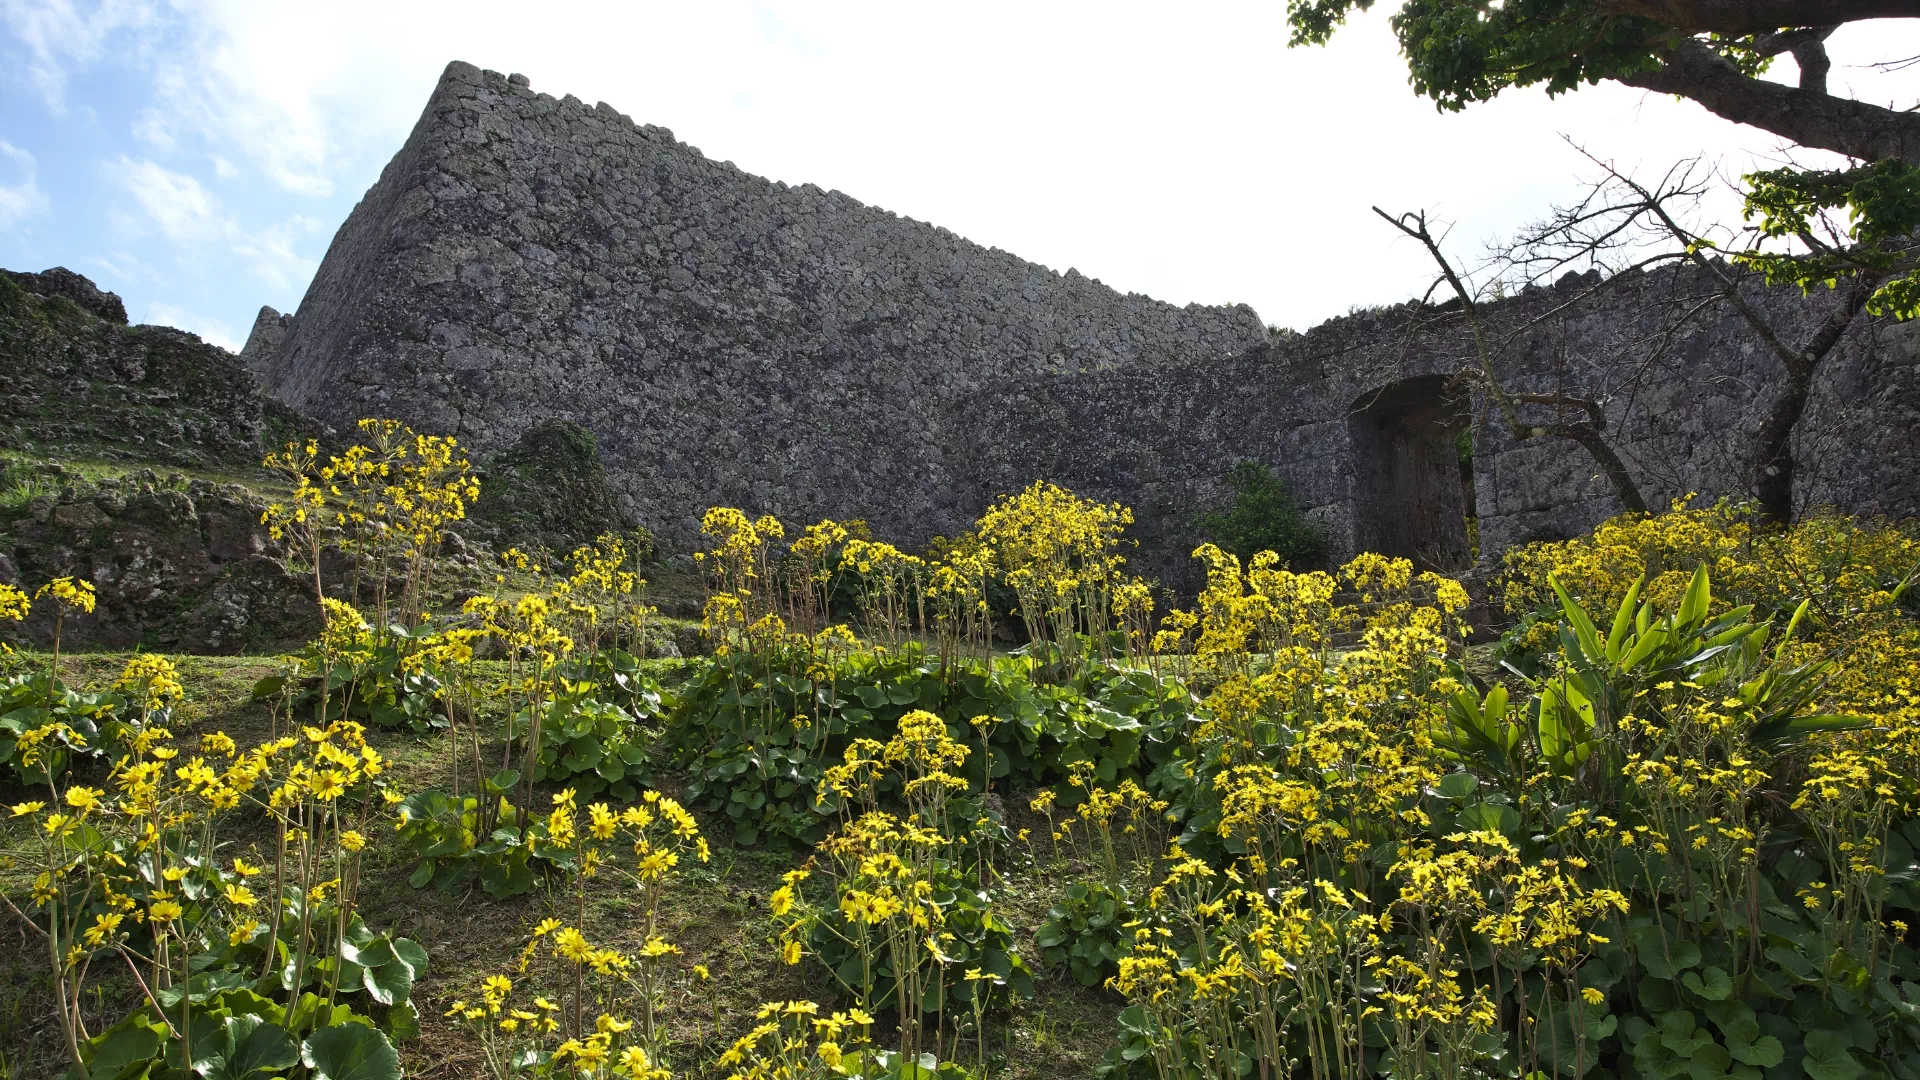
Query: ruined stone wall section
[[728, 338], [735, 341]]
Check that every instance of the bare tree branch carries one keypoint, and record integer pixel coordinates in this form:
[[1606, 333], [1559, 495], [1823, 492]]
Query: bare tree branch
[[1620, 213], [1773, 462], [1587, 433]]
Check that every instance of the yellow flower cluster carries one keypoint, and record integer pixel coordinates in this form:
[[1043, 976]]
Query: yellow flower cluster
[[793, 1041], [390, 497], [72, 594], [14, 603], [151, 679], [126, 866]]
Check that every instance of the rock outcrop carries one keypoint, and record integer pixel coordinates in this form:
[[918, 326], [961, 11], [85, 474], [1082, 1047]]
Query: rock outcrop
[[734, 340], [80, 381], [68, 285], [264, 340], [180, 560], [548, 490], [179, 564]]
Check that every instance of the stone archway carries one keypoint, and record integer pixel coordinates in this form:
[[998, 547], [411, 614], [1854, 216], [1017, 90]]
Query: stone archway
[[1409, 484]]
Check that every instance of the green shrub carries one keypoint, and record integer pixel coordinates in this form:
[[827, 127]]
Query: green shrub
[[1264, 516], [1087, 931], [755, 736]]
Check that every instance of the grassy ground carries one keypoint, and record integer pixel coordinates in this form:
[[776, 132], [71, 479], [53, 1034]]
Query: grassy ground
[[717, 915]]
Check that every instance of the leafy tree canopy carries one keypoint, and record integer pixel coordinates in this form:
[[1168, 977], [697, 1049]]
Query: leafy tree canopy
[[1857, 221]]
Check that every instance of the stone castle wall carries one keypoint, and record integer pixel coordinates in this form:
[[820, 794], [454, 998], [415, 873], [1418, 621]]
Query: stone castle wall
[[733, 340]]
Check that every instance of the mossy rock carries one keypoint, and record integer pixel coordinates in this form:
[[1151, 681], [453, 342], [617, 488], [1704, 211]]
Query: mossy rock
[[549, 490]]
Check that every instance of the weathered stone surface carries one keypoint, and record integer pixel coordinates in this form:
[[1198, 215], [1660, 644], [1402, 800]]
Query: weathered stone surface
[[263, 341], [77, 382], [178, 564], [732, 340], [64, 283], [548, 490]]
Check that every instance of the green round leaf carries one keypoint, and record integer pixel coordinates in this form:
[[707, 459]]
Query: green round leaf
[[1827, 1057], [350, 1052]]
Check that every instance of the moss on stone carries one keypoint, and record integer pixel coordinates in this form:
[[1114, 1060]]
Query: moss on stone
[[549, 490]]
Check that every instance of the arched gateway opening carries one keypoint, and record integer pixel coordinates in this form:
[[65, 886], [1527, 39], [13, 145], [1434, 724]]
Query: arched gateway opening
[[1413, 483]]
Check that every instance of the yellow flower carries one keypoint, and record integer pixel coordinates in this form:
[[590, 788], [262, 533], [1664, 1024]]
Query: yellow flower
[[1592, 996], [102, 928], [240, 896], [164, 911], [352, 840], [327, 784], [571, 944], [790, 953], [25, 808], [83, 799], [74, 594], [14, 603], [603, 821]]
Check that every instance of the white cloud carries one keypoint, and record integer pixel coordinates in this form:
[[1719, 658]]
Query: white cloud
[[23, 198], [273, 257], [174, 202], [155, 129], [193, 218], [122, 267], [210, 330], [58, 34]]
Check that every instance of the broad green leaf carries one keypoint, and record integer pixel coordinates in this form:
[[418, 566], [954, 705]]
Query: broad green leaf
[[1827, 1057], [373, 954], [1693, 607], [1712, 984], [403, 1021], [127, 1044], [1764, 1052], [1666, 963], [389, 983], [256, 1048], [1623, 619], [350, 1052], [410, 953]]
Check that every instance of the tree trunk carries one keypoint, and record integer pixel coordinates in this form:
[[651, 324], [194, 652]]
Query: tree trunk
[[1773, 469], [1738, 18], [1807, 117], [1615, 469]]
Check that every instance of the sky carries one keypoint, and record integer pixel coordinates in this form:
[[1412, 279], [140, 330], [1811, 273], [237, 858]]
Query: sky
[[196, 156]]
